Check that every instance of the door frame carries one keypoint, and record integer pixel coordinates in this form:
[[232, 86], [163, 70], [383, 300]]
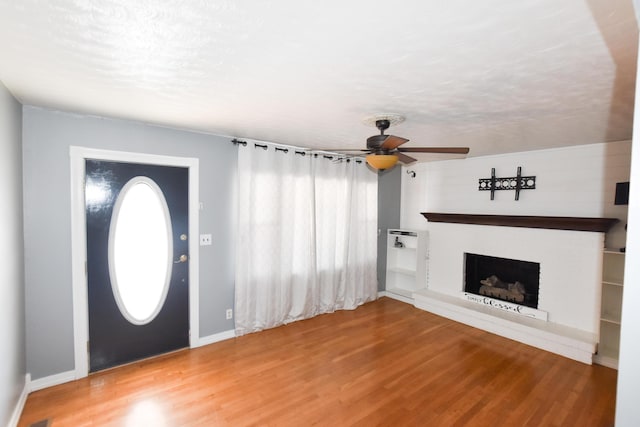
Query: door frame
[[78, 156]]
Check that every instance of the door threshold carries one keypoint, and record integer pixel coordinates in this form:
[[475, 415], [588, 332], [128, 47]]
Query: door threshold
[[144, 359]]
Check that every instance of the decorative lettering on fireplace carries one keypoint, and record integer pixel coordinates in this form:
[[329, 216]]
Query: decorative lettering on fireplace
[[497, 304], [506, 306]]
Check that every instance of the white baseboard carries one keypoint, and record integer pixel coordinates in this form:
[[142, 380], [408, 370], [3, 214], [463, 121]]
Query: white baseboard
[[17, 411], [607, 361], [51, 380], [395, 296], [210, 339]]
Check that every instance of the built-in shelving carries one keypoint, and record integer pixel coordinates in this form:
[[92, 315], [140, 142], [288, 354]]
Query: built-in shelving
[[406, 263], [611, 308]]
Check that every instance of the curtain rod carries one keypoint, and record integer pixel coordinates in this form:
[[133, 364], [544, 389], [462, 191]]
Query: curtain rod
[[236, 141]]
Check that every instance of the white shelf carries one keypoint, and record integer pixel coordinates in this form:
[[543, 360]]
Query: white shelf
[[607, 356], [612, 283], [612, 280], [406, 264], [611, 308], [402, 292], [610, 320], [405, 271], [613, 267], [613, 251], [398, 295], [405, 248]]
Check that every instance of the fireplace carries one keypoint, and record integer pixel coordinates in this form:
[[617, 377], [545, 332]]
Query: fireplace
[[510, 280], [569, 251]]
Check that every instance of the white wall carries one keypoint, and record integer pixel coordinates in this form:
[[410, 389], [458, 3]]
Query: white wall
[[627, 413], [12, 320], [572, 181]]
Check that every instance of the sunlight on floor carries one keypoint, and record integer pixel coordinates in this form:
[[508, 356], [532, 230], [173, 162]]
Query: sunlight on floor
[[146, 412]]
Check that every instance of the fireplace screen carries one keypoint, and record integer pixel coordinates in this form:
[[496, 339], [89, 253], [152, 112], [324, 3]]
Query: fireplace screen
[[502, 278]]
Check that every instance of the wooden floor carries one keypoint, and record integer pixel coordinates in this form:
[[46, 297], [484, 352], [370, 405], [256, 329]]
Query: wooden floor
[[386, 363]]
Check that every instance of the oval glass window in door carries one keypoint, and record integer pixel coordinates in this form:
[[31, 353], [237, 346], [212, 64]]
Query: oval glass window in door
[[140, 250]]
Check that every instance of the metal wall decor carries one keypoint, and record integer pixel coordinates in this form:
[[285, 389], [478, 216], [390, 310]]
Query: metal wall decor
[[516, 183]]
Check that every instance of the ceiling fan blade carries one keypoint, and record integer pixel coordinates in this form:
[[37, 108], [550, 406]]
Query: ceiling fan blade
[[404, 158], [441, 150], [392, 142]]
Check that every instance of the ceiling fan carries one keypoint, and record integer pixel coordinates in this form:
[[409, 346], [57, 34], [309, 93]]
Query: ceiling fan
[[385, 151]]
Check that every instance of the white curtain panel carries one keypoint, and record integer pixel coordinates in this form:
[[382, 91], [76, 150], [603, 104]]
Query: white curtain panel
[[307, 237]]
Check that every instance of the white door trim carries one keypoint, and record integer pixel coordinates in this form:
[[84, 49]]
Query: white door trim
[[78, 155]]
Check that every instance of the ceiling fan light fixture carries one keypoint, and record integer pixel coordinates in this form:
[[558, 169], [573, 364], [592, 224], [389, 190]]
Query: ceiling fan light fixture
[[382, 161]]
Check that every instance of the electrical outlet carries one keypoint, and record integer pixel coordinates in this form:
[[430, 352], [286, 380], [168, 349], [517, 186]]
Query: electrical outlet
[[205, 240], [229, 313]]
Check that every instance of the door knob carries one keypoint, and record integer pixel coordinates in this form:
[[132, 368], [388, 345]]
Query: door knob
[[183, 258]]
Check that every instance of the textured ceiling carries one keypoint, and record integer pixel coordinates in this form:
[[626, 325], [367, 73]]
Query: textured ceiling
[[494, 75]]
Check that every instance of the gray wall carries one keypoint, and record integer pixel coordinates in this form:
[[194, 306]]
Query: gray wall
[[12, 320], [47, 136], [389, 186]]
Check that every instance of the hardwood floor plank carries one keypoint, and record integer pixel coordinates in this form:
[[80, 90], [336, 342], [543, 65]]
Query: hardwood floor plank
[[385, 363]]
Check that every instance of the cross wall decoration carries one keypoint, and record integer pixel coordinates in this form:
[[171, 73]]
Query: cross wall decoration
[[516, 183]]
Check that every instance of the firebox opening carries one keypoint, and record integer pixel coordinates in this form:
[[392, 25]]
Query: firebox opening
[[502, 278]]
